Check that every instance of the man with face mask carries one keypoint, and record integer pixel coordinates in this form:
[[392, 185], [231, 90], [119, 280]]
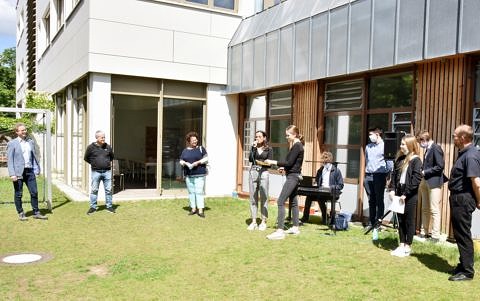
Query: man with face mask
[[376, 171], [431, 186]]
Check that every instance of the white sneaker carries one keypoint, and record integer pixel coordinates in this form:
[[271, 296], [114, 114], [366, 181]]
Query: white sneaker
[[398, 251], [252, 226], [279, 234], [293, 230], [262, 226]]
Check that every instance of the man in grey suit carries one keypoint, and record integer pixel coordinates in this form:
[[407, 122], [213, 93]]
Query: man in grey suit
[[23, 168], [430, 188]]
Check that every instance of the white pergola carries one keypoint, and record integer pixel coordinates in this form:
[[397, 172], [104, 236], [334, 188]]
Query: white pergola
[[47, 155]]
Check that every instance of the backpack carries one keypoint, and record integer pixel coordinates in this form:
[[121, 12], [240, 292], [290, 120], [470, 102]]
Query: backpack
[[341, 220]]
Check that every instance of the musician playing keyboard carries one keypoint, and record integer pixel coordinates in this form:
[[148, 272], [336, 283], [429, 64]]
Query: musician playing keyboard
[[328, 176]]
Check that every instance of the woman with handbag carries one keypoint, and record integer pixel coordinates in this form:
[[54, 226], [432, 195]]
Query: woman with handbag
[[194, 162], [406, 178]]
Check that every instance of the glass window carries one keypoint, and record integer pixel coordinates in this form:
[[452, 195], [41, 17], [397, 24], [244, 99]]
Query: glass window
[[198, 1], [229, 4], [348, 161], [477, 84], [280, 110], [255, 120], [378, 121], [476, 126], [343, 96], [344, 130], [391, 91]]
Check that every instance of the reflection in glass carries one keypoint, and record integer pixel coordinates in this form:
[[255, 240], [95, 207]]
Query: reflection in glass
[[277, 130], [343, 130], [224, 3], [378, 121], [348, 161], [391, 91], [198, 1]]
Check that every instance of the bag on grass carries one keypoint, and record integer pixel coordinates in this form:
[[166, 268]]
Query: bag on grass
[[341, 220]]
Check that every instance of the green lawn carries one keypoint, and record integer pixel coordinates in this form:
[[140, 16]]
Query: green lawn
[[151, 250]]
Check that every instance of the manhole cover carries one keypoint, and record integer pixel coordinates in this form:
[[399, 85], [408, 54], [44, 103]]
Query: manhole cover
[[24, 258]]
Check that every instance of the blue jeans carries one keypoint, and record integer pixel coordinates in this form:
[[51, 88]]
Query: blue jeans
[[106, 177], [29, 178], [196, 194]]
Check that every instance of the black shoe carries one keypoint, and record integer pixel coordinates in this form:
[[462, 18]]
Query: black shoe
[[38, 215], [110, 210], [460, 277], [192, 212], [201, 214], [91, 211], [456, 270]]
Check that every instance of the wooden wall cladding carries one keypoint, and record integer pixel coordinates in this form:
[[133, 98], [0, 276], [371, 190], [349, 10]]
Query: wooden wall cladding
[[305, 107], [441, 105]]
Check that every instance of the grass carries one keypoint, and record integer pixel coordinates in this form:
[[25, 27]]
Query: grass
[[151, 250]]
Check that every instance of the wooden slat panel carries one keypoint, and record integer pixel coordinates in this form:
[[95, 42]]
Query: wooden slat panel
[[441, 106], [305, 106]]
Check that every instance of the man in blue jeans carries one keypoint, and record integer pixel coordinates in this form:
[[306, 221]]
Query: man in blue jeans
[[100, 155], [23, 168]]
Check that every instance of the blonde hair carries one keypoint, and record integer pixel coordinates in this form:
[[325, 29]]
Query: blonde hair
[[294, 130], [413, 150]]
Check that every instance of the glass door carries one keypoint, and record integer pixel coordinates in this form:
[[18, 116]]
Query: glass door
[[180, 116]]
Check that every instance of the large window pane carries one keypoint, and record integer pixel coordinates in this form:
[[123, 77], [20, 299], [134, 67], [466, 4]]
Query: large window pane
[[348, 161], [277, 130], [378, 121], [344, 130], [391, 91]]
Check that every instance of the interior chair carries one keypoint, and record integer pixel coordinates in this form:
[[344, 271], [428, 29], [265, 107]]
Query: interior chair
[[118, 174]]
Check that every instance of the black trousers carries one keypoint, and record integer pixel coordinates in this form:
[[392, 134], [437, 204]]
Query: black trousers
[[308, 204], [406, 221], [462, 206], [375, 188]]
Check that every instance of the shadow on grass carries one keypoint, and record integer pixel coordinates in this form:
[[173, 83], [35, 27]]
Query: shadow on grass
[[60, 204], [433, 262], [386, 243], [104, 207], [187, 208]]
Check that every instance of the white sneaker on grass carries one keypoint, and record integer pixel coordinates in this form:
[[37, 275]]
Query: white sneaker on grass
[[293, 230], [262, 226], [252, 226], [398, 251], [279, 234]]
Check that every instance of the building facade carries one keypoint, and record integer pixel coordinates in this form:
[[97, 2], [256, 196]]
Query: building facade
[[144, 72], [338, 68]]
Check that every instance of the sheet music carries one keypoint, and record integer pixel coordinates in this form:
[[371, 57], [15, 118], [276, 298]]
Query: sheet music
[[397, 205]]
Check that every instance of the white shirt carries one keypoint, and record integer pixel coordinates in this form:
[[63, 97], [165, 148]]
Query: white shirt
[[26, 152], [326, 175]]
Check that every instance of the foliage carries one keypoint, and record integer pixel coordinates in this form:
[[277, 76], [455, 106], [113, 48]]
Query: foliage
[[151, 250], [34, 100], [7, 78]]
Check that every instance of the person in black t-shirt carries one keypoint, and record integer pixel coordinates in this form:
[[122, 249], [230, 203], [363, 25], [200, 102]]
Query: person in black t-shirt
[[100, 155], [464, 186], [292, 166]]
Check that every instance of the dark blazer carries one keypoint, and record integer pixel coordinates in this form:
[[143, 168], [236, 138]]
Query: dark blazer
[[335, 181], [412, 180], [433, 166]]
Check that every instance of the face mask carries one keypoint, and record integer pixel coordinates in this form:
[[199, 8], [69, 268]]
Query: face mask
[[424, 144], [404, 149], [373, 138]]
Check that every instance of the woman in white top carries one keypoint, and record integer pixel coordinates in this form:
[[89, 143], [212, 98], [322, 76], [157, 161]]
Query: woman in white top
[[406, 177]]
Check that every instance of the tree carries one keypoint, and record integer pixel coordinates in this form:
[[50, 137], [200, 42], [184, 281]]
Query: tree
[[7, 78]]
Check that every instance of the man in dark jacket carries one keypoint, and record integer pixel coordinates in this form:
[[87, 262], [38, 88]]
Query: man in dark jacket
[[430, 188], [100, 155], [328, 176]]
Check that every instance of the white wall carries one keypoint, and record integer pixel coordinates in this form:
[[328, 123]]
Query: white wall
[[221, 141]]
